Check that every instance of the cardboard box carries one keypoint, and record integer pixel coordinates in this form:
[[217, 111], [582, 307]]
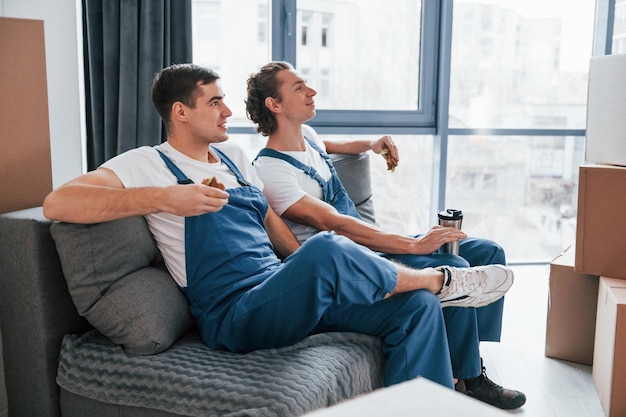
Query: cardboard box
[[25, 163], [606, 107], [609, 358], [418, 397], [572, 305], [601, 221]]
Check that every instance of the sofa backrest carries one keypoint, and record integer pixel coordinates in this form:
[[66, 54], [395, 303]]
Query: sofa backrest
[[35, 312]]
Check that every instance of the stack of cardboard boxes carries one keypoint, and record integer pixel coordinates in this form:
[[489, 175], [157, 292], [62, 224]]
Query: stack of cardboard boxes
[[587, 301]]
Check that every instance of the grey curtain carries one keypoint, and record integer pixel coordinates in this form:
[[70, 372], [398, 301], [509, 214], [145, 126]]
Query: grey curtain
[[126, 42]]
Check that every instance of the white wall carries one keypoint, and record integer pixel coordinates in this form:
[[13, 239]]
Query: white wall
[[62, 26]]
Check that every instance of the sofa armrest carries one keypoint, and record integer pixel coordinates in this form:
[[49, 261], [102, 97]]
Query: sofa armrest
[[36, 310]]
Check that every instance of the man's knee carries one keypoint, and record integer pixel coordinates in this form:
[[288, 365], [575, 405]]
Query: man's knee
[[448, 259], [482, 252], [422, 303], [327, 245], [496, 252], [331, 256]]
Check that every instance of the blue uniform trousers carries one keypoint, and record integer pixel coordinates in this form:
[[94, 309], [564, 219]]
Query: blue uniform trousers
[[466, 327], [333, 284]]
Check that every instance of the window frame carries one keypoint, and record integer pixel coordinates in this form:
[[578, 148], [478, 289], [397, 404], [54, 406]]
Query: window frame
[[284, 49]]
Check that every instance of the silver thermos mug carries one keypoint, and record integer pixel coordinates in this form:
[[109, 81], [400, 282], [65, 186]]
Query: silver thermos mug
[[451, 218]]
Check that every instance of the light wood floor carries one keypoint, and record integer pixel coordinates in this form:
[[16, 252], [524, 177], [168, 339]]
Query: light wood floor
[[553, 388]]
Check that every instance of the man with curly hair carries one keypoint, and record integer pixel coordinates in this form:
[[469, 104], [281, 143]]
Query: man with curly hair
[[302, 186]]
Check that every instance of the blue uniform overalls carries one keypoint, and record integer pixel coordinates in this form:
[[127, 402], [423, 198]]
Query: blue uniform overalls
[[243, 298], [465, 326]]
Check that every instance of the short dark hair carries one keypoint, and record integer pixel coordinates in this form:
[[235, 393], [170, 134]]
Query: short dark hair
[[260, 86], [178, 82]]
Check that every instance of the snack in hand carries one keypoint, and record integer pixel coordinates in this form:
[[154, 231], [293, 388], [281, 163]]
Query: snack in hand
[[212, 182], [391, 165]]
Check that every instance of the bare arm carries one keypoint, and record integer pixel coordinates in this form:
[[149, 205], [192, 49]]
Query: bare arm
[[99, 196], [284, 241], [322, 216], [349, 147], [383, 146]]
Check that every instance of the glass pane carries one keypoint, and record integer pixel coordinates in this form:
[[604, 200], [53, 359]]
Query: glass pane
[[518, 191], [251, 143], [220, 30], [520, 63], [619, 28], [402, 198], [356, 52]]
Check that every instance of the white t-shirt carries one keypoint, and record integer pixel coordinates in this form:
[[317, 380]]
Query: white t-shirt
[[144, 167], [286, 184]]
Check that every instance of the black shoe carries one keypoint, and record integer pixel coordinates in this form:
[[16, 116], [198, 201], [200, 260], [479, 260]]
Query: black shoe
[[485, 390]]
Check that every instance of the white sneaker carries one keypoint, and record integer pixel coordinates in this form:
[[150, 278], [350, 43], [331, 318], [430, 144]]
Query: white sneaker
[[474, 287]]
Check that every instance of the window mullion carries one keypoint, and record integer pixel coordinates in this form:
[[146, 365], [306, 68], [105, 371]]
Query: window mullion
[[284, 30]]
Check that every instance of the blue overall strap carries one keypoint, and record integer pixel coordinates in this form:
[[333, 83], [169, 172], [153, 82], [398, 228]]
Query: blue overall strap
[[182, 178], [240, 179], [323, 154], [310, 171], [335, 193]]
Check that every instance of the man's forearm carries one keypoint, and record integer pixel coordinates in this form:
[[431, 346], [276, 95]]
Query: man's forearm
[[80, 203], [283, 239], [375, 238], [349, 147]]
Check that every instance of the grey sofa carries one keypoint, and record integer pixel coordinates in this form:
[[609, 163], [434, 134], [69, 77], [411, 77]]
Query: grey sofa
[[83, 336]]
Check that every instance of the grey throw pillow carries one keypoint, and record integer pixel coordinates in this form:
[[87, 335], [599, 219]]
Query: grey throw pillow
[[117, 280]]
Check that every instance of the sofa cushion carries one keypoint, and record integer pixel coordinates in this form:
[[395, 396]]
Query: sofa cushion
[[117, 280], [189, 379]]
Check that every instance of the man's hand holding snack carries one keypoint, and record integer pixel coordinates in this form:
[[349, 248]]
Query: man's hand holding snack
[[212, 182], [388, 150]]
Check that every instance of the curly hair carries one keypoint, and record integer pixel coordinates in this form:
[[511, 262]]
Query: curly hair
[[260, 86], [179, 82]]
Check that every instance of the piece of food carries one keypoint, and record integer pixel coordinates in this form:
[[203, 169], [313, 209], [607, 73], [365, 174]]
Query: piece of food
[[212, 182], [391, 165]]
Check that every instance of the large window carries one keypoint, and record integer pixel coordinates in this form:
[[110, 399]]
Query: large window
[[520, 64], [519, 78], [233, 38], [520, 191], [372, 61], [367, 59], [485, 98], [347, 49]]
